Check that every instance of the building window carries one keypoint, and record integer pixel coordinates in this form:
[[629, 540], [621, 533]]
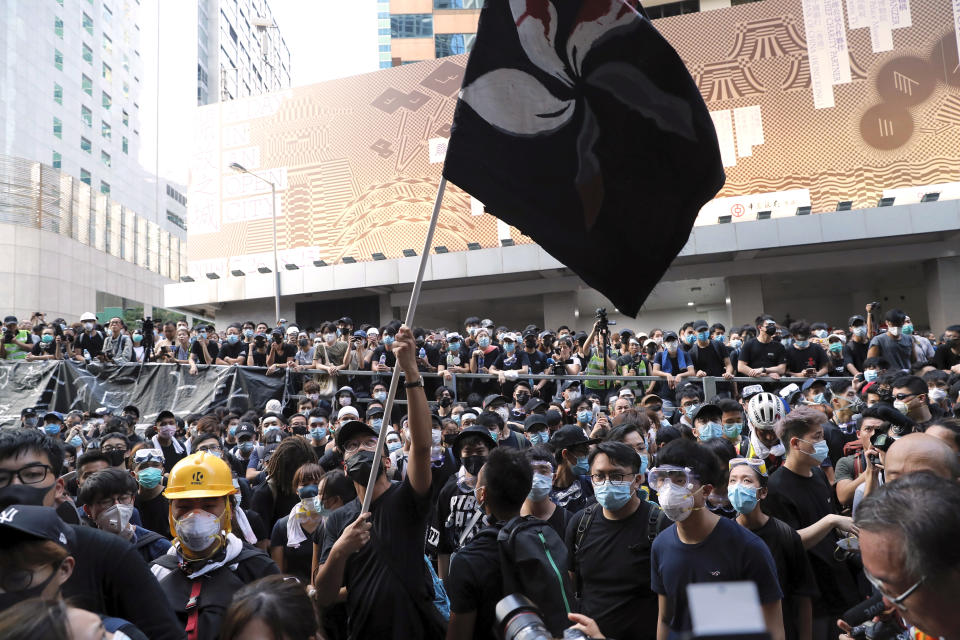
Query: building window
[[105, 158], [106, 100], [87, 84], [126, 89], [107, 72], [85, 177], [86, 115], [107, 44], [177, 220], [58, 128], [673, 9], [107, 14], [58, 59], [451, 44], [126, 118], [57, 160], [87, 54], [60, 2], [411, 25], [85, 145], [58, 27], [57, 93], [104, 187], [458, 4], [88, 24], [105, 129], [124, 144]]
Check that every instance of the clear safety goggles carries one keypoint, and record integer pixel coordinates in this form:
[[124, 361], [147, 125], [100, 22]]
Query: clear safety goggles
[[758, 465], [147, 455], [663, 474]]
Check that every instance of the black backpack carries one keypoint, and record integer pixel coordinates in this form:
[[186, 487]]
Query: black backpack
[[533, 561]]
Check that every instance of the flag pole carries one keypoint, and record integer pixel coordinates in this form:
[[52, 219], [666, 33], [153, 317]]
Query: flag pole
[[395, 377]]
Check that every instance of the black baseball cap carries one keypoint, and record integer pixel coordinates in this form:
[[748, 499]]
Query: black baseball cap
[[534, 420], [493, 397], [10, 320], [345, 320], [472, 430], [553, 417], [570, 436], [533, 404], [709, 409], [700, 324], [23, 522], [246, 429], [855, 320], [351, 430]]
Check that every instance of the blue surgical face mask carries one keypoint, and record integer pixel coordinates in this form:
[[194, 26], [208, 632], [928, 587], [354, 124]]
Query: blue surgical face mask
[[581, 468], [690, 338], [820, 450], [508, 347], [836, 347], [453, 346], [702, 336], [388, 340], [613, 495], [380, 396], [907, 329], [233, 430], [52, 428], [690, 410], [803, 344], [644, 461], [149, 477], [736, 343], [542, 484], [710, 431], [721, 338], [494, 434], [860, 331], [47, 338], [731, 431], [233, 338], [870, 375], [539, 437], [820, 398], [376, 423], [584, 416], [483, 342], [76, 441], [742, 498], [248, 333], [820, 333], [318, 433], [202, 335], [393, 446]]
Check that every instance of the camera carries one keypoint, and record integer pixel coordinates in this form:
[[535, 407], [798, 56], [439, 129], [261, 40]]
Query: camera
[[880, 442], [873, 306], [277, 336], [602, 321], [518, 618]]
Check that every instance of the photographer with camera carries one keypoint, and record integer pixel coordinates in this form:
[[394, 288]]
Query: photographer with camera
[[117, 346], [894, 346], [596, 352], [852, 470], [282, 354], [16, 343]]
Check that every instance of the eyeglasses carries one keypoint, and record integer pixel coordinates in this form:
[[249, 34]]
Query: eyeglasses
[[758, 465], [896, 601], [353, 445], [904, 396], [120, 448], [33, 473], [123, 498], [210, 448], [20, 579], [614, 478]]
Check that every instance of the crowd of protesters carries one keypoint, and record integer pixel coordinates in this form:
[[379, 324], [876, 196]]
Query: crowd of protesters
[[600, 500]]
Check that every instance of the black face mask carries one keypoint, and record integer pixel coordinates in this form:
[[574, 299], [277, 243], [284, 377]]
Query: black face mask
[[530, 343], [303, 342], [448, 439], [300, 431], [769, 330], [359, 465], [115, 458], [473, 464], [523, 397], [445, 401], [11, 598], [23, 494]]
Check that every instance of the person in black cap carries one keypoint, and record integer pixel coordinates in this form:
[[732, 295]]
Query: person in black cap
[[110, 576], [572, 489], [16, 344], [28, 418], [457, 516], [378, 556], [855, 350], [536, 429], [499, 430], [166, 441]]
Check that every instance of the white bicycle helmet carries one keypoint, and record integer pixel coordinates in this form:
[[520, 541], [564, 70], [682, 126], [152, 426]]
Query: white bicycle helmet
[[764, 410]]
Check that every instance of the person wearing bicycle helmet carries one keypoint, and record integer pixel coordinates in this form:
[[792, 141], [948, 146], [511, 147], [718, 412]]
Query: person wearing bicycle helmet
[[764, 411]]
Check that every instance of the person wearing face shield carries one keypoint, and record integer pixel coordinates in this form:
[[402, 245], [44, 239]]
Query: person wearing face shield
[[108, 502], [702, 546], [207, 563], [458, 518]]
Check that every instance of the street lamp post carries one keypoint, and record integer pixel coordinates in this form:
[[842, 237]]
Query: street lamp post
[[239, 168]]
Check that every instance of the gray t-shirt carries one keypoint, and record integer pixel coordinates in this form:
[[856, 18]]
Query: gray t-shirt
[[845, 469], [895, 351]]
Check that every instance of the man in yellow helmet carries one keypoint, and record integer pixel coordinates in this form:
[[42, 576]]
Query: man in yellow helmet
[[207, 563]]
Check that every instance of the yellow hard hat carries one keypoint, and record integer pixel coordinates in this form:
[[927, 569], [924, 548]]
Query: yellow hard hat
[[200, 475]]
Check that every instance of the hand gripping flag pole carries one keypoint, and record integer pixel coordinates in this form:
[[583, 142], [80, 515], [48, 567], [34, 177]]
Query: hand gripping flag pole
[[395, 377]]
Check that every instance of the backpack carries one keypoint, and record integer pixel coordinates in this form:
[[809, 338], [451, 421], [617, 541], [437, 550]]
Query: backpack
[[656, 522], [854, 447], [533, 561]]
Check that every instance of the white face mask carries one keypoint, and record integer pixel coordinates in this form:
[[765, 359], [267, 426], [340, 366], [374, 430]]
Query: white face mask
[[330, 337], [198, 530], [937, 394], [503, 412], [116, 520], [893, 331], [677, 502], [88, 326], [573, 396]]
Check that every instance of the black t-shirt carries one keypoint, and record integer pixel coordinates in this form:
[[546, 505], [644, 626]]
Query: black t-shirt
[[155, 514], [170, 455], [793, 570], [813, 357], [298, 559], [944, 358], [45, 349], [257, 525], [378, 602], [235, 350], [509, 361], [455, 510], [197, 350], [475, 582], [259, 359], [287, 352], [706, 359], [269, 508], [537, 361], [110, 577], [381, 351], [614, 565], [836, 366], [800, 502], [93, 344], [760, 355], [558, 521], [729, 553], [855, 353], [575, 497]]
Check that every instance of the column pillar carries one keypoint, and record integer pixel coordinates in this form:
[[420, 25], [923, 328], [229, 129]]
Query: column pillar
[[942, 278], [746, 299]]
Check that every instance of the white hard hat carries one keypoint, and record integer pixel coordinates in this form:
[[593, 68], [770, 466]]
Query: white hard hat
[[88, 316]]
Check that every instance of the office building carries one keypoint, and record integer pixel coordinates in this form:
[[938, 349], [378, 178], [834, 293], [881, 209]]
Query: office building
[[240, 51]]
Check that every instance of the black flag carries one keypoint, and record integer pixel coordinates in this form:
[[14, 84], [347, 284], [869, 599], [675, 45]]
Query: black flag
[[579, 124]]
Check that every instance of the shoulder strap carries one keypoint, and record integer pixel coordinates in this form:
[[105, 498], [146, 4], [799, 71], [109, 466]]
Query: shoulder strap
[[147, 539], [585, 519], [167, 561], [477, 514], [653, 522]]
